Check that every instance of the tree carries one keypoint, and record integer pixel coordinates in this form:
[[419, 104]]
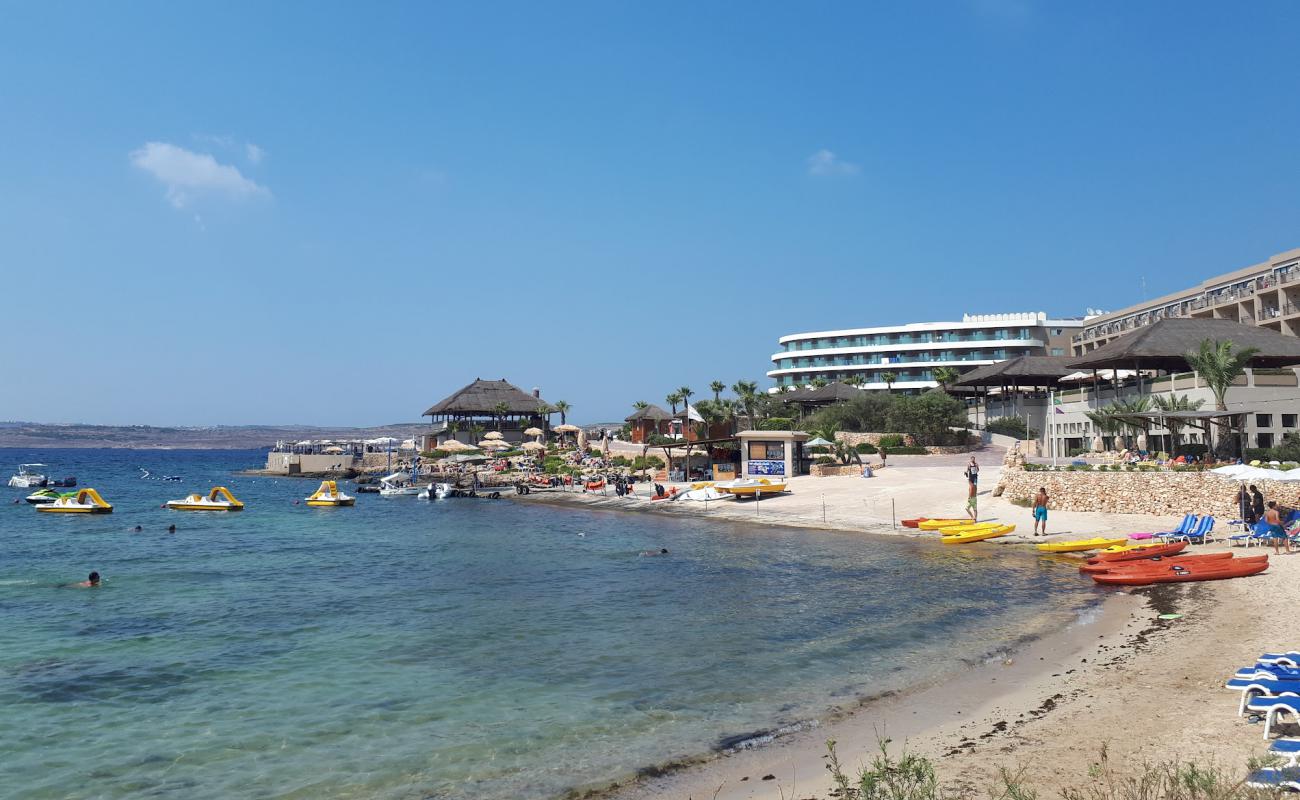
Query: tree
[[841, 450], [500, 410], [929, 417], [855, 380], [563, 409], [747, 393], [673, 399], [686, 395], [1104, 419], [717, 387], [888, 378], [1130, 414], [1218, 365], [1169, 403], [819, 382], [946, 376]]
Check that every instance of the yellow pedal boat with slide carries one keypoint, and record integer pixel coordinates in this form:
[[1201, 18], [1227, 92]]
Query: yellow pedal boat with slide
[[1080, 545], [936, 524], [219, 499], [977, 534], [82, 501], [329, 495]]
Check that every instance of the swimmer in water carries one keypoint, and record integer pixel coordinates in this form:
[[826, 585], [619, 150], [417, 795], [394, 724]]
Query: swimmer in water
[[89, 583], [171, 528], [137, 529], [648, 553]]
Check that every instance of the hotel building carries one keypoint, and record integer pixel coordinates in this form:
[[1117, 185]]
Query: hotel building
[[912, 352], [1265, 294]]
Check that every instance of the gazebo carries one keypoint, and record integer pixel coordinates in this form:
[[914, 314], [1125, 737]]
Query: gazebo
[[829, 394], [1014, 374], [490, 406], [647, 422]]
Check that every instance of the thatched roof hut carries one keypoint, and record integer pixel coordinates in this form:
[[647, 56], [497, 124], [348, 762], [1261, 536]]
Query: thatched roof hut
[[1162, 345], [481, 398], [1019, 371]]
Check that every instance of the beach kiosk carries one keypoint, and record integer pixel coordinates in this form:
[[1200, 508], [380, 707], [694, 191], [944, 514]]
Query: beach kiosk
[[772, 454]]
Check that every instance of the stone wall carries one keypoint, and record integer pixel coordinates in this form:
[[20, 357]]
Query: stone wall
[[1139, 492], [834, 470], [873, 439]]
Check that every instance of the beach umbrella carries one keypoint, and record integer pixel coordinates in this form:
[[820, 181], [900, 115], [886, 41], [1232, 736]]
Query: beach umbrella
[[533, 432], [493, 435], [409, 444], [566, 428], [382, 440], [454, 446], [818, 442], [534, 446], [494, 444], [334, 450]]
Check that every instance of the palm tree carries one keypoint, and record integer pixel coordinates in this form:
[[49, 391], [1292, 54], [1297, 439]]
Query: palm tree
[[1218, 365], [819, 382], [855, 380], [686, 394], [946, 376], [499, 411], [1131, 414], [888, 378], [640, 404], [563, 409], [747, 392], [1104, 419], [672, 400], [1175, 402], [716, 387]]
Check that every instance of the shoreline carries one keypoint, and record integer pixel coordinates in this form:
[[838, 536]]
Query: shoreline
[[1056, 703]]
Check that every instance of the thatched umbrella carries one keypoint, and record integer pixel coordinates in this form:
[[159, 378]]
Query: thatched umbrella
[[493, 435], [566, 428], [454, 446], [493, 444], [534, 446], [534, 432]]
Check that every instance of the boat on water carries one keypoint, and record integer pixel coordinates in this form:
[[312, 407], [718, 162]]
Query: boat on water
[[42, 496], [329, 495], [398, 484], [436, 491], [1079, 545], [29, 476], [82, 501], [219, 499], [750, 487]]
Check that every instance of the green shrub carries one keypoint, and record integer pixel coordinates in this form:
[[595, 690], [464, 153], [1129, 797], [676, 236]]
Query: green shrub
[[891, 440], [776, 424], [1011, 426], [1147, 468], [825, 460], [1078, 451], [1032, 467], [866, 448], [905, 451]]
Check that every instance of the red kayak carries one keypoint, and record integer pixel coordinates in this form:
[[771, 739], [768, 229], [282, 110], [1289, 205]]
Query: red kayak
[[1174, 572], [912, 523], [1140, 553], [1152, 562]]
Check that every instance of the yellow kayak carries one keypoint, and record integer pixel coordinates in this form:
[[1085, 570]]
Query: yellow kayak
[[969, 527], [978, 535], [1126, 548], [1081, 544], [936, 524]]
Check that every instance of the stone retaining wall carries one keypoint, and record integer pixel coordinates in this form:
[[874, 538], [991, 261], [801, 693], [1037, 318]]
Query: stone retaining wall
[[834, 470], [873, 439], [1139, 492]]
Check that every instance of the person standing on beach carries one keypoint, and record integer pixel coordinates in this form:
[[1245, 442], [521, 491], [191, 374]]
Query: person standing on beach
[[972, 503], [973, 472], [1040, 510], [883, 454], [1245, 508], [1257, 501], [1275, 530]]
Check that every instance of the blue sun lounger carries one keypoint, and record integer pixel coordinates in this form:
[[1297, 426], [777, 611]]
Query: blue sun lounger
[[1275, 778], [1271, 672], [1272, 708], [1290, 658], [1287, 748], [1196, 535], [1188, 523], [1261, 689]]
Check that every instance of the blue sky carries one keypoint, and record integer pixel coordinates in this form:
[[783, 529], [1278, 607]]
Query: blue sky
[[337, 213]]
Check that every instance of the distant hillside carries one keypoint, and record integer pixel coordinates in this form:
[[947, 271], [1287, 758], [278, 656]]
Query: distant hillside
[[219, 437]]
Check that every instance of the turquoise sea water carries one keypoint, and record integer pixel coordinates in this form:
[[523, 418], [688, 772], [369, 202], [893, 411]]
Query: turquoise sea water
[[455, 649]]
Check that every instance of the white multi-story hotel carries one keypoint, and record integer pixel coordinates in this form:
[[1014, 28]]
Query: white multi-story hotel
[[912, 352]]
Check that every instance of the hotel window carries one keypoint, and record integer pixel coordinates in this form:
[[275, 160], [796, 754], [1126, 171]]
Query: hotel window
[[766, 451], [1058, 351], [1264, 421], [1264, 439], [1288, 420]]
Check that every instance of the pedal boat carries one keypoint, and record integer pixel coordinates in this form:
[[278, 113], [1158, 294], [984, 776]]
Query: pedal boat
[[83, 501], [329, 495], [748, 487], [219, 499]]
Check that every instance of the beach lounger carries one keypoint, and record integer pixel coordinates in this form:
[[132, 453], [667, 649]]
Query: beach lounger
[[1272, 672], [1252, 688], [1275, 778], [1290, 658], [1189, 522], [1273, 707], [1256, 535], [1287, 748], [1197, 535]]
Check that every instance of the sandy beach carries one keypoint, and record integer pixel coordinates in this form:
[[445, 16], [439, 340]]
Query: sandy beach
[[1144, 689]]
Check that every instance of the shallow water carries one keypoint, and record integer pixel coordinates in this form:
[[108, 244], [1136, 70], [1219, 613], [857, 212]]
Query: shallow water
[[456, 649]]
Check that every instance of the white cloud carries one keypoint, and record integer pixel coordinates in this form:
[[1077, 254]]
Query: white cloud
[[187, 174], [255, 153], [824, 163]]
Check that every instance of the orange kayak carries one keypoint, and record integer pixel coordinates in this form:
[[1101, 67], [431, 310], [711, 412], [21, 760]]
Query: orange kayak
[[1173, 572], [1150, 562], [912, 523]]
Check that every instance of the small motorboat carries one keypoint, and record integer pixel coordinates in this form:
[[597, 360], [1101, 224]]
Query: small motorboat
[[1079, 545], [219, 499], [977, 534], [398, 484], [82, 501], [438, 491], [42, 496], [66, 482], [30, 476], [749, 487], [329, 495]]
